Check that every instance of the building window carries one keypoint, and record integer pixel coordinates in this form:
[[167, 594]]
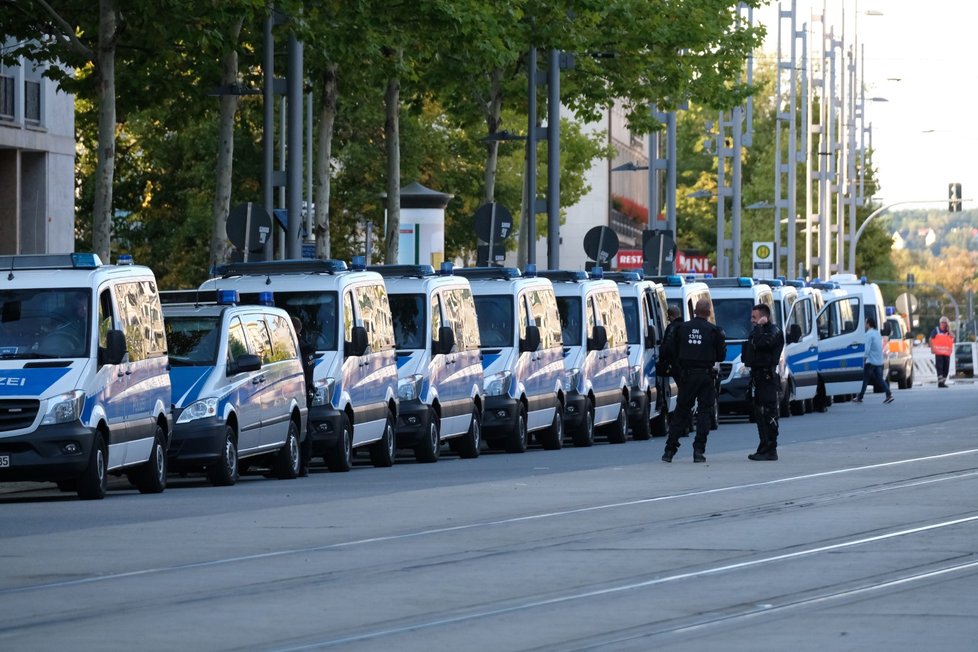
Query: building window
[[6, 97], [32, 102]]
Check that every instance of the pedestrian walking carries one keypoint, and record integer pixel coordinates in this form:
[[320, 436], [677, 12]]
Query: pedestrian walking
[[699, 345], [873, 364], [762, 353], [942, 345]]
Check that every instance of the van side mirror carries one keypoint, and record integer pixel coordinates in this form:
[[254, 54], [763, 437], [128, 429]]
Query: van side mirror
[[598, 339], [245, 362], [794, 333], [532, 340], [446, 340], [115, 348], [358, 342]]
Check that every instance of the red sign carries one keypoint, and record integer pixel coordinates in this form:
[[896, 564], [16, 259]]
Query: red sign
[[686, 264], [630, 259]]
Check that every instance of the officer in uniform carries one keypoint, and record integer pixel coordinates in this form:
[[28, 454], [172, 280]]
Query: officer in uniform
[[699, 345], [762, 353]]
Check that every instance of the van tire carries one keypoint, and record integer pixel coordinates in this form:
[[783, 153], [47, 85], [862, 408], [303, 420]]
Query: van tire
[[583, 436], [224, 472], [94, 482], [618, 431], [288, 460], [643, 429], [660, 424], [339, 457], [382, 453], [552, 438], [429, 448], [517, 440], [470, 444], [150, 477]]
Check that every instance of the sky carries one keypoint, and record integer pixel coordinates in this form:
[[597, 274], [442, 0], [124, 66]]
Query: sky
[[922, 57]]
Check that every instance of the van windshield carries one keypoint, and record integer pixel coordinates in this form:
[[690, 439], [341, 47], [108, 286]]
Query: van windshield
[[408, 313], [316, 310], [733, 316], [45, 323], [630, 307], [495, 315], [192, 341], [570, 320]]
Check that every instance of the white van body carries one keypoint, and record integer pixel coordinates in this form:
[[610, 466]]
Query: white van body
[[346, 318], [439, 363], [522, 357], [595, 355], [238, 387], [841, 340], [84, 388], [801, 349]]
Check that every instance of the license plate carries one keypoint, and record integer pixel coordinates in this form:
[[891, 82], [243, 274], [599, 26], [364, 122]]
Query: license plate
[[4, 461]]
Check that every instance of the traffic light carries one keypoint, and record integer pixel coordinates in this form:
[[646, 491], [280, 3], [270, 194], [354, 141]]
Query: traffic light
[[954, 197]]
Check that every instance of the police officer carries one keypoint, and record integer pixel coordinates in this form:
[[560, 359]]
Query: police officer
[[699, 345], [762, 353]]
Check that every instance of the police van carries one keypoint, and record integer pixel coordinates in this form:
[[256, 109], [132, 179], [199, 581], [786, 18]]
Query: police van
[[84, 389], [346, 319], [683, 294], [439, 362], [801, 343], [595, 354], [650, 398], [841, 341], [239, 392], [522, 357], [733, 299], [872, 305]]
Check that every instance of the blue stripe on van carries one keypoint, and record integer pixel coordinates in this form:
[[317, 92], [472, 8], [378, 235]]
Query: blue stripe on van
[[187, 381], [733, 352], [488, 359], [29, 382]]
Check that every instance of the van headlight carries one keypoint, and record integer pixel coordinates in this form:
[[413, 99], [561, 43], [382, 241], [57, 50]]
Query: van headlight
[[635, 375], [322, 391], [498, 383], [571, 378], [202, 409], [409, 387], [64, 408]]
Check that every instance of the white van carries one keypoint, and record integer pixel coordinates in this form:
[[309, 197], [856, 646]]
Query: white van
[[650, 399], [801, 348], [841, 329], [595, 355], [346, 318], [239, 392], [683, 294], [439, 362], [522, 357], [84, 389]]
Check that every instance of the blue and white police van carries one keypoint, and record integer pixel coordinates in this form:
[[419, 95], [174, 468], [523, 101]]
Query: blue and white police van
[[439, 360], [595, 355], [239, 392], [797, 306], [522, 357], [733, 299], [683, 294], [650, 398], [84, 388], [346, 320], [841, 331]]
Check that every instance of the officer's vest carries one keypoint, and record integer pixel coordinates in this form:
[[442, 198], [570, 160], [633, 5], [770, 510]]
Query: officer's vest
[[697, 343]]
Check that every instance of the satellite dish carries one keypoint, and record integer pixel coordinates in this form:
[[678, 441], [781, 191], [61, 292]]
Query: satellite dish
[[493, 222], [601, 244], [249, 226]]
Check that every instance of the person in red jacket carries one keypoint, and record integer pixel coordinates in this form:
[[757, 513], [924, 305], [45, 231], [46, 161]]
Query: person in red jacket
[[941, 345]]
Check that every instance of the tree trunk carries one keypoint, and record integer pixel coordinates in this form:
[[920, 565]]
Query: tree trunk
[[392, 100], [220, 247], [324, 153], [105, 168], [494, 108]]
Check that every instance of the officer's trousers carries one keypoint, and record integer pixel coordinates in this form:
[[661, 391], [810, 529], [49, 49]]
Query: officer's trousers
[[695, 386], [766, 387]]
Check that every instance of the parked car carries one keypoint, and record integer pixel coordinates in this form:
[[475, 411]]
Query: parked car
[[899, 349]]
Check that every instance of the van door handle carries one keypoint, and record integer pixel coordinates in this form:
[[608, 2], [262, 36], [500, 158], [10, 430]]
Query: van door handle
[[257, 379]]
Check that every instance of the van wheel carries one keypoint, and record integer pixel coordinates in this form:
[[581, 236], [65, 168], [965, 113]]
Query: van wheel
[[660, 424], [643, 430], [910, 379], [584, 435], [468, 446], [224, 472], [618, 431], [339, 457], [94, 482], [382, 453], [552, 438], [516, 442], [288, 460], [429, 448], [150, 478]]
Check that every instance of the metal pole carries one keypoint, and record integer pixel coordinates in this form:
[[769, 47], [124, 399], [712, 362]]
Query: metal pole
[[655, 200], [874, 214], [792, 150], [671, 146], [268, 124], [738, 135], [531, 159], [309, 198], [293, 245], [721, 198], [553, 162]]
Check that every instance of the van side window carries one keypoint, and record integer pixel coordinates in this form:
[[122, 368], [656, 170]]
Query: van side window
[[524, 316], [544, 311], [106, 320], [257, 333], [469, 320], [142, 319], [348, 316], [283, 344], [435, 318], [375, 315], [609, 309], [801, 314], [237, 344]]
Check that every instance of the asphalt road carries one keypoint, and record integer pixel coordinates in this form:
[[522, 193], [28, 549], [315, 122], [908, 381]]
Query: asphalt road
[[862, 537]]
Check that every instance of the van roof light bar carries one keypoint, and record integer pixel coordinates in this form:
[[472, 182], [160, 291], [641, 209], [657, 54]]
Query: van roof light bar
[[502, 273], [402, 271], [564, 275], [303, 266]]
